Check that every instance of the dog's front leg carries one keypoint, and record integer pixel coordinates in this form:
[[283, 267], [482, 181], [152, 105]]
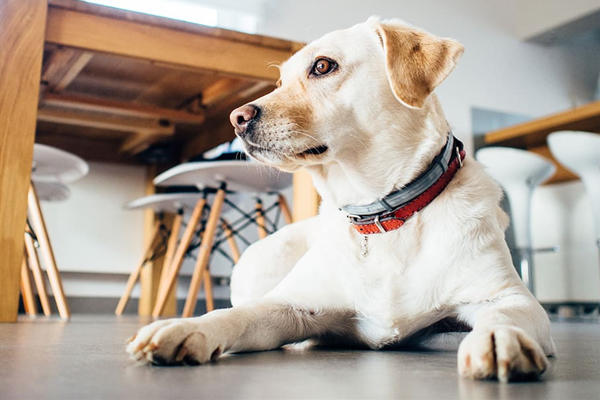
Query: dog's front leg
[[510, 339], [260, 326]]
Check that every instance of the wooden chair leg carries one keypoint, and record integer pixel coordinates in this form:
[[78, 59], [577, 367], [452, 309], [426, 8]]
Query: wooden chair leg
[[177, 259], [285, 209], [38, 275], [170, 307], [235, 251], [260, 220], [37, 220], [204, 255], [208, 293], [27, 291], [135, 274]]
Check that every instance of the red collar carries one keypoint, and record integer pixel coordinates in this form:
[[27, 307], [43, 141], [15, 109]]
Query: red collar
[[392, 211]]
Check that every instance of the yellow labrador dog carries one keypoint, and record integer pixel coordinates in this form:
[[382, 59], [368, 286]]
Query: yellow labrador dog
[[409, 234]]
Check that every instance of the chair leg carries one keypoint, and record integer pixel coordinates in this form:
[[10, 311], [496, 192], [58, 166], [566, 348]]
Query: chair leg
[[235, 251], [37, 220], [260, 220], [208, 293], [204, 255], [177, 259], [38, 275], [164, 273], [27, 291], [135, 274], [285, 209]]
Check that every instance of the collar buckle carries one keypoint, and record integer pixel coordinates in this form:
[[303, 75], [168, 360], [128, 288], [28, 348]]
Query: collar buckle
[[458, 157], [378, 225]]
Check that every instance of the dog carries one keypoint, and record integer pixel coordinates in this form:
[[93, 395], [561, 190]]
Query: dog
[[356, 109]]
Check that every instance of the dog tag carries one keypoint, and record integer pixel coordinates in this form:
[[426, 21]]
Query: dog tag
[[364, 246]]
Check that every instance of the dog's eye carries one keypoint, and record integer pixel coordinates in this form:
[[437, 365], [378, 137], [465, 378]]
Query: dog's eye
[[323, 66]]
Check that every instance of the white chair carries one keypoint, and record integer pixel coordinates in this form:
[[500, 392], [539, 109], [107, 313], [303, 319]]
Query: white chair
[[227, 176], [580, 153], [51, 169], [171, 203], [519, 172]]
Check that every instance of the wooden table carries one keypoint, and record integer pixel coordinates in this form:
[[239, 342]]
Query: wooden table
[[116, 86], [532, 135]]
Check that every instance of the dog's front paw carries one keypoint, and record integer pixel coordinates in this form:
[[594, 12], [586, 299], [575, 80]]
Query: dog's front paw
[[504, 352], [174, 341]]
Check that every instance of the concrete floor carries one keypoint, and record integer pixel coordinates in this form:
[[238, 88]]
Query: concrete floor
[[85, 358]]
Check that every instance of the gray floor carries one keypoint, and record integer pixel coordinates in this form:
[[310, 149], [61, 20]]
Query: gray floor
[[47, 359]]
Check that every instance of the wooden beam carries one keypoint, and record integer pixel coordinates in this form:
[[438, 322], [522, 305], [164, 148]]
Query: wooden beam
[[139, 141], [162, 44], [222, 89], [63, 66], [122, 108], [22, 24], [115, 123]]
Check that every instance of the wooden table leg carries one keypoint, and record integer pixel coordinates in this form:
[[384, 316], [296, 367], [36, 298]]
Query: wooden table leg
[[39, 226], [285, 209], [27, 291], [260, 220], [235, 251], [22, 29], [184, 243], [135, 274], [38, 275], [203, 257], [306, 198]]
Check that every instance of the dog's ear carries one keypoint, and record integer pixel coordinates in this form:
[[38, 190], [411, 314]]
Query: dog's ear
[[416, 61]]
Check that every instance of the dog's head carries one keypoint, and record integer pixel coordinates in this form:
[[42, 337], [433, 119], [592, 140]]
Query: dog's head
[[339, 93]]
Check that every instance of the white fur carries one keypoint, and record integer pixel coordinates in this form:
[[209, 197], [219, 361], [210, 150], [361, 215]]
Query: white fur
[[309, 279]]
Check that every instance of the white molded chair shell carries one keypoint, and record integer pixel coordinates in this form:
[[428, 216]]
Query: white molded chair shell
[[168, 202], [50, 163], [241, 176], [580, 153], [518, 172], [51, 190]]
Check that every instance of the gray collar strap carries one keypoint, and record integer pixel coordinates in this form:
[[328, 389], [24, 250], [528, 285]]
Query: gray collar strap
[[413, 189]]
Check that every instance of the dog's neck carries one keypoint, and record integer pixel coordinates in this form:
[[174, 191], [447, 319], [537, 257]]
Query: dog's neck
[[395, 156]]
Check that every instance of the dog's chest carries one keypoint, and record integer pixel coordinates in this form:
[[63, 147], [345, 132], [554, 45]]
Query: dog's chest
[[395, 287]]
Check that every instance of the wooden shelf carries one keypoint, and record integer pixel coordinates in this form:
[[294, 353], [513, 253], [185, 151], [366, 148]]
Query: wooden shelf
[[532, 135]]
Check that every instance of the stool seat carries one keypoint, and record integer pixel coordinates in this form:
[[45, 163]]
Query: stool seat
[[515, 166], [580, 153], [519, 172], [240, 176], [50, 163], [51, 191]]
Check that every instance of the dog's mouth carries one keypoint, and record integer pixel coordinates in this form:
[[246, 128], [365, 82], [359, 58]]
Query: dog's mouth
[[313, 151]]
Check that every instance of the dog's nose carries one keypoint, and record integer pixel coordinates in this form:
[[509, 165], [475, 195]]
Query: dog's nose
[[241, 117]]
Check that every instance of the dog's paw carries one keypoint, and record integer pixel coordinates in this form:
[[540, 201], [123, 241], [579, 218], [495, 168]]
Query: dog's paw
[[504, 352], [174, 341]]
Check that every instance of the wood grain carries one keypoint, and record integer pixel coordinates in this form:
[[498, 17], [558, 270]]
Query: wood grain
[[22, 24], [158, 43]]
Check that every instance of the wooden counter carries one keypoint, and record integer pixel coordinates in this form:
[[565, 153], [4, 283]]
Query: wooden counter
[[532, 135]]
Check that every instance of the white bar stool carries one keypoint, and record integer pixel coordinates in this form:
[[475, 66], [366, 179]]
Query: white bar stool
[[51, 169], [580, 153], [237, 176], [519, 172]]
